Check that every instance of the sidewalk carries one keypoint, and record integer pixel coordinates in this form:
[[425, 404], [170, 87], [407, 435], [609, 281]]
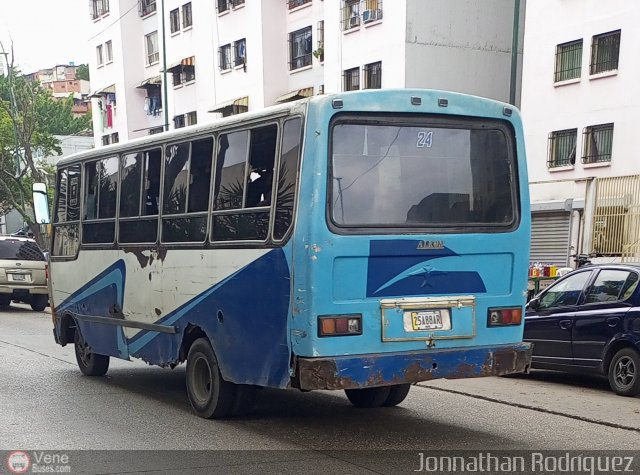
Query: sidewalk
[[587, 398]]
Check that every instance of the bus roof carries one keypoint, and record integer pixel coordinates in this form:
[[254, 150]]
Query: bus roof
[[293, 107]]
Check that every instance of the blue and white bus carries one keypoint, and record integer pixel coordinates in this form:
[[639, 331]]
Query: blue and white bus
[[361, 241]]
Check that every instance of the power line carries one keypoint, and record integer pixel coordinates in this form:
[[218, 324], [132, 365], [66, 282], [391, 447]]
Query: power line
[[114, 22]]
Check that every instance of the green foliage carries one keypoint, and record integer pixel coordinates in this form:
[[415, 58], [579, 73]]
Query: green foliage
[[29, 119], [82, 72]]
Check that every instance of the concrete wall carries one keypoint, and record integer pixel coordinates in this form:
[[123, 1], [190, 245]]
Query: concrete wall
[[463, 46]]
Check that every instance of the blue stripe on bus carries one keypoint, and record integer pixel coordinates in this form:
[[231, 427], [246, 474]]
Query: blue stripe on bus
[[110, 280], [398, 267]]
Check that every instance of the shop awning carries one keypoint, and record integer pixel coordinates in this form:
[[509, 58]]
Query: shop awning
[[104, 91], [152, 81], [297, 94], [190, 61], [240, 101]]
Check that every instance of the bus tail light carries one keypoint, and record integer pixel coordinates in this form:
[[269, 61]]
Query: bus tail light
[[498, 317], [339, 325]]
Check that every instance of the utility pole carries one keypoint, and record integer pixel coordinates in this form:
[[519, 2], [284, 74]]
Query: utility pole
[[165, 106], [14, 108]]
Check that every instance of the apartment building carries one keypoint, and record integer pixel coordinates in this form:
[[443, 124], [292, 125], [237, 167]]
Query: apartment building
[[580, 70], [61, 80], [165, 64]]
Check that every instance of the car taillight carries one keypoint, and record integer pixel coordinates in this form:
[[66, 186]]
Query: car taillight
[[498, 317], [339, 325], [46, 271]]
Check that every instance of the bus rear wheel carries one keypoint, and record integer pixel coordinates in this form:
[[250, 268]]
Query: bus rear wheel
[[397, 394], [368, 397], [211, 397], [89, 363]]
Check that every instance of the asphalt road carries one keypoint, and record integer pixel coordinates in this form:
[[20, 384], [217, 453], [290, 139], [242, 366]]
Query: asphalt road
[[46, 404]]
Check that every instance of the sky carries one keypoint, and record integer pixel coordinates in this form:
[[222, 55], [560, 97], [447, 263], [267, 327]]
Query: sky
[[45, 32]]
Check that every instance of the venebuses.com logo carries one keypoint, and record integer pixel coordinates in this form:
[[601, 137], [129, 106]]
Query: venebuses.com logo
[[18, 462]]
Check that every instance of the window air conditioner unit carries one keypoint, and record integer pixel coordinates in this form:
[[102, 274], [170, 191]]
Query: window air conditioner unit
[[354, 21], [371, 15]]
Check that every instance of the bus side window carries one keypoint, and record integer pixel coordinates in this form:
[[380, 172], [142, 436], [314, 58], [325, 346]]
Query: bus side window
[[261, 163], [200, 175], [287, 177], [66, 236], [230, 170], [100, 201]]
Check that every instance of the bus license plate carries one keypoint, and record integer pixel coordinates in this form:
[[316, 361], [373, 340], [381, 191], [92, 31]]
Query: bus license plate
[[18, 277], [425, 320]]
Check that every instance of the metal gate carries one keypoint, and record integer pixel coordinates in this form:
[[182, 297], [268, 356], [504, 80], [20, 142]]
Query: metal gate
[[550, 238]]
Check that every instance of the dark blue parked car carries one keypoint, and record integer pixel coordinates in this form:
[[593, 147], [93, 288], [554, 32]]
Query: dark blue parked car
[[589, 320]]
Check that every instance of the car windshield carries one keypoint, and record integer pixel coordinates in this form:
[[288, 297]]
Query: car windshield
[[20, 250]]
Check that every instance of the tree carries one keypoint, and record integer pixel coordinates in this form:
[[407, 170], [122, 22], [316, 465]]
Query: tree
[[29, 118], [82, 72]]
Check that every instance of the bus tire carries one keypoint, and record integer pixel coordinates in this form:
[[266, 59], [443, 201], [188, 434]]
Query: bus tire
[[91, 364], [211, 397], [624, 372], [397, 394], [368, 397]]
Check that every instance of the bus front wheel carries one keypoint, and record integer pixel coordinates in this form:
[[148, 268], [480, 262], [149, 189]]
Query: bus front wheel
[[368, 397], [89, 363], [211, 396]]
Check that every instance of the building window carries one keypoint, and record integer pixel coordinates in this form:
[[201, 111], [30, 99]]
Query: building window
[[187, 17], [296, 3], [562, 148], [300, 46], [373, 75], [598, 142], [225, 57], [179, 121], [99, 8], [350, 14], [568, 61], [605, 50], [115, 138], [223, 5], [188, 73], [156, 130], [108, 46], [319, 52], [237, 3], [174, 20], [240, 52], [106, 139], [372, 11], [99, 55], [351, 79], [146, 7], [151, 47], [191, 118]]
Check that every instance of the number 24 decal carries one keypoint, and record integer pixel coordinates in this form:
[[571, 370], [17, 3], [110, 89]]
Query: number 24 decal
[[425, 139]]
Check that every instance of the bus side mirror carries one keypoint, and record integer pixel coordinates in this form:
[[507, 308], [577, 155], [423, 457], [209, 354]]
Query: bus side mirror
[[41, 203]]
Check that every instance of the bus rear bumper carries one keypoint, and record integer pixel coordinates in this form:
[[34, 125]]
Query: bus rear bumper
[[363, 371]]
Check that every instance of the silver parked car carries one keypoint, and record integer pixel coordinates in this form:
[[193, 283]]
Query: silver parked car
[[23, 272]]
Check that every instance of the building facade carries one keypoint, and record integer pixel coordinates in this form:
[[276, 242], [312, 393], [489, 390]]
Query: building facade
[[167, 64], [62, 81], [580, 64]]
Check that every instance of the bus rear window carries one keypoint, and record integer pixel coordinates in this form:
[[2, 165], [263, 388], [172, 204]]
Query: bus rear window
[[422, 175]]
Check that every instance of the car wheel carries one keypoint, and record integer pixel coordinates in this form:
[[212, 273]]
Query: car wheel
[[210, 395], [624, 372], [368, 397], [91, 364], [397, 394], [5, 300], [39, 302]]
